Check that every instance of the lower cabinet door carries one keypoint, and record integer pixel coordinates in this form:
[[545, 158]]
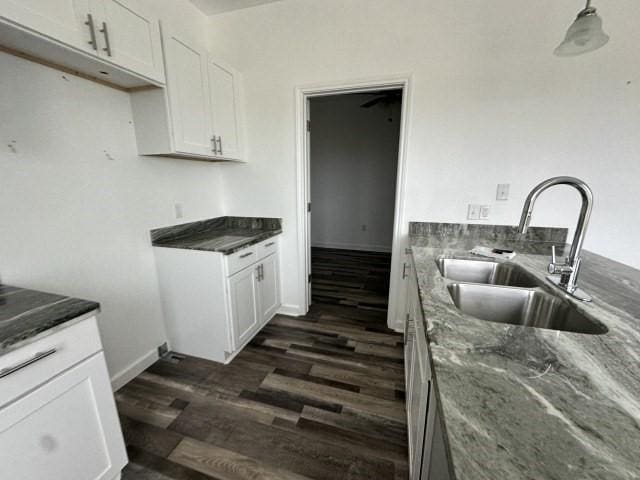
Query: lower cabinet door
[[66, 429], [245, 304], [269, 287]]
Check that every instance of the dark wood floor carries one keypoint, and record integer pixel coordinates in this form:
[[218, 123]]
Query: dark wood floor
[[349, 277], [313, 397]]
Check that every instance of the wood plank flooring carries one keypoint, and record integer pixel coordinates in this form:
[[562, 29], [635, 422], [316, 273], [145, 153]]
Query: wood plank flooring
[[350, 277], [313, 397]]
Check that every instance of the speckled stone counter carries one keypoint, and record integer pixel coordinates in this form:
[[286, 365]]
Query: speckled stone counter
[[224, 234], [28, 315], [525, 403]]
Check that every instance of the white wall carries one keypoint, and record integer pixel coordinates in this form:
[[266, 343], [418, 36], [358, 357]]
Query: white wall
[[354, 158], [490, 104], [78, 203]]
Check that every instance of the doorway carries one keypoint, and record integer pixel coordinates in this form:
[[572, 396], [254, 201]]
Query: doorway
[[350, 194], [353, 159]]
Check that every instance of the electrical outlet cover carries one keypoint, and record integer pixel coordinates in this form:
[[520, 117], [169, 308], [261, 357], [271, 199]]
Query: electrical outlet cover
[[484, 212], [473, 212]]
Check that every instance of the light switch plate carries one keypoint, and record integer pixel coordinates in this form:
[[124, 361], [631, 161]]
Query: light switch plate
[[502, 193], [473, 212]]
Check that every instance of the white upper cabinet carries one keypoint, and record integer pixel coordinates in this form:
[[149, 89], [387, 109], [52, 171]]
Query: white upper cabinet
[[197, 115], [223, 83], [67, 21], [188, 92], [129, 36], [116, 41]]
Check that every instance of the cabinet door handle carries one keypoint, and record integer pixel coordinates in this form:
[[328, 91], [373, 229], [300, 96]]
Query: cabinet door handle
[[404, 271], [214, 145], [271, 244], [261, 272], [5, 372], [107, 43], [220, 151], [92, 31], [245, 255], [258, 273]]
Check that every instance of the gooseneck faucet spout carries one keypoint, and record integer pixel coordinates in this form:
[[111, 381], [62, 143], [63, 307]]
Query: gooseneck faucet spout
[[569, 270]]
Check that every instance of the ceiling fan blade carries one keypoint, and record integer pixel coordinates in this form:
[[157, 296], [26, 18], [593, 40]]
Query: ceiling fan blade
[[371, 103]]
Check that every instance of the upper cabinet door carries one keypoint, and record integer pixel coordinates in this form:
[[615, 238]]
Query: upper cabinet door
[[67, 21], [188, 92], [129, 36], [223, 82]]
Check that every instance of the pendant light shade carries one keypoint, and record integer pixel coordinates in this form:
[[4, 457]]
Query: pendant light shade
[[584, 35]]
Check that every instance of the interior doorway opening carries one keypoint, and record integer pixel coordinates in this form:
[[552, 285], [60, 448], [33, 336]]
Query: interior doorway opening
[[354, 141], [304, 95]]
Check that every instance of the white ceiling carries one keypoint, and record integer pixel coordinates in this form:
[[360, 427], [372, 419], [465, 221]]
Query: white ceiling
[[212, 7]]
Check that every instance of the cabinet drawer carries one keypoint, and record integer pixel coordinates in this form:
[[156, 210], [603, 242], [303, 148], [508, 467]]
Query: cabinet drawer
[[241, 259], [267, 247], [45, 358]]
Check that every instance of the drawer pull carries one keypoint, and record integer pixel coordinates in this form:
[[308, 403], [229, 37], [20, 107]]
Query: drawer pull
[[245, 255], [271, 244], [5, 372]]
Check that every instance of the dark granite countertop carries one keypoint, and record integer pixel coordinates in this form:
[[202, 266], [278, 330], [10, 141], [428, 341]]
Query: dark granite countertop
[[28, 315], [526, 403], [224, 234]]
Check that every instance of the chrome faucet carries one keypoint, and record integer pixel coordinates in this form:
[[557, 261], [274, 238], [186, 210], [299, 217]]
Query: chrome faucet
[[568, 271]]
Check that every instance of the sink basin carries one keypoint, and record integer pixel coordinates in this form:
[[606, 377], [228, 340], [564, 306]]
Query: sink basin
[[519, 306], [485, 271]]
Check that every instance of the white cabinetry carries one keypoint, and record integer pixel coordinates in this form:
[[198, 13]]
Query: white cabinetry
[[57, 414], [269, 287], [245, 303], [188, 95], [223, 84], [130, 36], [117, 41], [214, 303], [61, 20], [197, 115], [427, 455]]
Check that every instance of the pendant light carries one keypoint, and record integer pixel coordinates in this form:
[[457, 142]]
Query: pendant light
[[584, 35]]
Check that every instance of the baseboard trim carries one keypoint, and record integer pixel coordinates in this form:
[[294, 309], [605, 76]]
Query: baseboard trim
[[291, 310], [353, 246], [130, 372]]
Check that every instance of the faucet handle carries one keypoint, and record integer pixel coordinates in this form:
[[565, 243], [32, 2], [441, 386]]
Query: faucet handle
[[556, 268]]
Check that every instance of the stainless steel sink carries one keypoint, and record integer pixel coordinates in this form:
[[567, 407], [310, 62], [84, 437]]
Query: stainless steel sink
[[521, 306], [485, 271]]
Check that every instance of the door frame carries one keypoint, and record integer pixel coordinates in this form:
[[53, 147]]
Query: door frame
[[302, 96]]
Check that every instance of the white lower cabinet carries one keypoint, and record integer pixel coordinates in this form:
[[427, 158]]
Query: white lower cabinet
[[269, 287], [67, 427], [245, 303], [427, 451], [214, 303], [255, 297]]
